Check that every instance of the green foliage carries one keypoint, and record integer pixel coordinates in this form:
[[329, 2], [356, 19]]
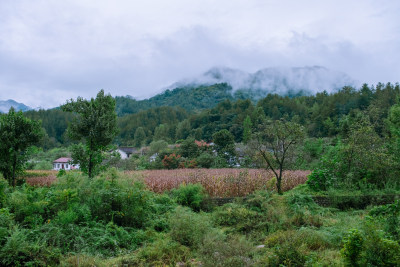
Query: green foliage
[[205, 160], [189, 228], [274, 141], [139, 137], [189, 149], [61, 172], [190, 195], [219, 250], [19, 250], [379, 250], [162, 251], [224, 144], [358, 160], [352, 247], [17, 134], [95, 123], [3, 189], [389, 214], [247, 129]]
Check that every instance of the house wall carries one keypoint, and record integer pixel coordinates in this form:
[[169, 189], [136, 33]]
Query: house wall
[[67, 166]]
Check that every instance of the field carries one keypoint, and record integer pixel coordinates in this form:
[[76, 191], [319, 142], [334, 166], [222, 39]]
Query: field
[[216, 182]]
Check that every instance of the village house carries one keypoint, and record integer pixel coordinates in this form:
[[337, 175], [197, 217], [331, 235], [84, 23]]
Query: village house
[[125, 152], [64, 164]]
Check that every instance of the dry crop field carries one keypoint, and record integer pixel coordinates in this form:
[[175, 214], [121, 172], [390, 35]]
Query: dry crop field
[[221, 182], [217, 182]]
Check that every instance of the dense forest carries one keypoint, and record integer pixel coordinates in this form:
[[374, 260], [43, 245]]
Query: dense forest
[[199, 112]]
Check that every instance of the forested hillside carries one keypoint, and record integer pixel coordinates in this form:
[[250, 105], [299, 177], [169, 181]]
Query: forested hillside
[[202, 111]]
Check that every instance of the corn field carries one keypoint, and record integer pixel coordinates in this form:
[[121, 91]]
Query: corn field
[[216, 182]]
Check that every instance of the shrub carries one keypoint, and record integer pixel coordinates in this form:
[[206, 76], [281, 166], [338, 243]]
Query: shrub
[[205, 160], [163, 252], [190, 195], [219, 250], [241, 218], [352, 247], [189, 228], [19, 250], [3, 188], [61, 173], [320, 179], [379, 250]]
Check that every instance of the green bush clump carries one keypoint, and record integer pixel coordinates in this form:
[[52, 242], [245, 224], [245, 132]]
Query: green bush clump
[[3, 189], [187, 227], [240, 217], [162, 252], [61, 173], [189, 195], [19, 250], [218, 249], [352, 247]]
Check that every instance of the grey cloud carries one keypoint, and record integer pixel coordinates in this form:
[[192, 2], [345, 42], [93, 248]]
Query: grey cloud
[[53, 52]]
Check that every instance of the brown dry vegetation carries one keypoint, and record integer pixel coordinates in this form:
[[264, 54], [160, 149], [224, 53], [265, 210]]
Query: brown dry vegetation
[[216, 182], [40, 177], [221, 182]]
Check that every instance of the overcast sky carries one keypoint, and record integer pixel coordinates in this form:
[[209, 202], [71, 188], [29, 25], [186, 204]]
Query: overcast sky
[[53, 50]]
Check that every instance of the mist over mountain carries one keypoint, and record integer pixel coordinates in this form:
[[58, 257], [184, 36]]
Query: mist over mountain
[[282, 81], [5, 106]]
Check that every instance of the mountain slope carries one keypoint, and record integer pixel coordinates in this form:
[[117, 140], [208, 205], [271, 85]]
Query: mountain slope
[[219, 84], [6, 105], [275, 80]]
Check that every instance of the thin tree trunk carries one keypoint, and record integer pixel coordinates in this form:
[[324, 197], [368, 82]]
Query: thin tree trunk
[[90, 165]]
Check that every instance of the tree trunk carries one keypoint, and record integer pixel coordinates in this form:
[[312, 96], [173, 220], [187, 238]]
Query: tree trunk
[[279, 182], [90, 167]]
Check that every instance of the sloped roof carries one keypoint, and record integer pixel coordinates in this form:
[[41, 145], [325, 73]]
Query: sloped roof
[[63, 160], [128, 150]]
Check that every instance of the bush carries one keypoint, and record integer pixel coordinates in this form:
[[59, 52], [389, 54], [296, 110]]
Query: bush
[[19, 250], [352, 247], [187, 227], [379, 250], [205, 160], [219, 250], [241, 218], [3, 189], [163, 252], [190, 195]]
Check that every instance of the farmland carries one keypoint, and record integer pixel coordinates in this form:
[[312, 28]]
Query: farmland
[[216, 182]]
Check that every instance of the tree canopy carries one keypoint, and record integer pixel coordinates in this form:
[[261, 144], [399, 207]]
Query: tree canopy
[[95, 123], [17, 134]]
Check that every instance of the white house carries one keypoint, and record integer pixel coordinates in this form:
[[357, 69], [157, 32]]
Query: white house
[[64, 164], [125, 152]]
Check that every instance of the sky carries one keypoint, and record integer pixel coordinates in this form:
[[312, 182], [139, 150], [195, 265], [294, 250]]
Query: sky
[[52, 50]]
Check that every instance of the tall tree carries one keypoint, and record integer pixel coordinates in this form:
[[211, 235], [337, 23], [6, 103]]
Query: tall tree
[[224, 144], [139, 137], [95, 123], [275, 142], [17, 134]]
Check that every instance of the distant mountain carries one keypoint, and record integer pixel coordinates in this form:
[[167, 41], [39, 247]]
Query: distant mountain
[[282, 81], [222, 83], [6, 105]]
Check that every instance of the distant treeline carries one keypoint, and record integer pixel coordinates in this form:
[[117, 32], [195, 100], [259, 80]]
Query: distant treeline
[[199, 112]]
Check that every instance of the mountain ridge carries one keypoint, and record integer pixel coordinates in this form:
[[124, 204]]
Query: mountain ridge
[[5, 106]]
